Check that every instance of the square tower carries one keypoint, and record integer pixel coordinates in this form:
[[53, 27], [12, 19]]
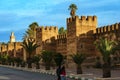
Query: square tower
[[76, 28]]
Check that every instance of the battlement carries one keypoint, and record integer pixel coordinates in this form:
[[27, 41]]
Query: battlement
[[82, 18], [108, 28], [61, 38], [47, 28]]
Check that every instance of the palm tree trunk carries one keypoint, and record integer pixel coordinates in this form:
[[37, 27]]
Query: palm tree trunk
[[79, 69], [37, 66], [72, 13], [106, 70], [29, 60]]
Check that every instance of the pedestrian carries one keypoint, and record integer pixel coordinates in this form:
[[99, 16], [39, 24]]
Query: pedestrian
[[63, 73], [58, 72]]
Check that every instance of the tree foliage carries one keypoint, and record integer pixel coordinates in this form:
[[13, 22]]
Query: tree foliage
[[73, 9], [78, 58], [29, 46], [106, 48], [47, 58], [58, 58], [31, 31], [62, 30]]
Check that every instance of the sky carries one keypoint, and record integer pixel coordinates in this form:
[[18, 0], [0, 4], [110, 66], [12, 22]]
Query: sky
[[17, 15]]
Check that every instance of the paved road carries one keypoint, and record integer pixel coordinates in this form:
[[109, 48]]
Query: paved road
[[13, 74]]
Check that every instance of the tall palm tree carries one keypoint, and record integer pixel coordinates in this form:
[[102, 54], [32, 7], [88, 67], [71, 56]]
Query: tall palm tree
[[78, 59], [106, 48], [30, 47], [47, 57], [73, 9], [31, 31]]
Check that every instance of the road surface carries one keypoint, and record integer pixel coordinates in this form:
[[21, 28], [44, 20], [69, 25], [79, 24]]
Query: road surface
[[13, 74]]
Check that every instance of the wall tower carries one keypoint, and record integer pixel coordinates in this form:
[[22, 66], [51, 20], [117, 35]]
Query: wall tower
[[76, 27], [45, 35]]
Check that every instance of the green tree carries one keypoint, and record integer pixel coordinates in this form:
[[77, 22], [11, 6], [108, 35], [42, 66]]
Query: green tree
[[4, 58], [78, 59], [58, 58], [18, 61], [36, 60], [30, 47], [47, 58], [25, 36], [62, 30], [10, 60], [31, 31], [73, 9], [106, 48]]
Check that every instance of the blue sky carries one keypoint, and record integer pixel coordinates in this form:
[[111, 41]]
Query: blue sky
[[16, 15]]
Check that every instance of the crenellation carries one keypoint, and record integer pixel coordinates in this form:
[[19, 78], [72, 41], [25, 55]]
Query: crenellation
[[62, 36], [69, 20], [107, 28], [76, 17], [61, 39], [47, 28], [112, 27], [83, 17], [56, 28], [94, 18], [116, 26], [39, 29], [98, 30], [102, 29], [89, 18]]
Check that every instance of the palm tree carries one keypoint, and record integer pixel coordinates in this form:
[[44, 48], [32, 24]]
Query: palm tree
[[73, 9], [78, 59], [30, 47], [18, 61], [31, 31], [25, 36], [58, 58], [36, 60], [106, 48], [47, 57], [4, 58]]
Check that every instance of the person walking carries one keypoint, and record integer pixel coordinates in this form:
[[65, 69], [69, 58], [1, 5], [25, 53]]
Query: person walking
[[58, 72], [63, 73]]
